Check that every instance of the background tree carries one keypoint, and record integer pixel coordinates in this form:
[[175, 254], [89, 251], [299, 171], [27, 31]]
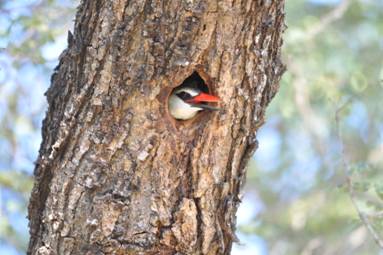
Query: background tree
[[295, 201]]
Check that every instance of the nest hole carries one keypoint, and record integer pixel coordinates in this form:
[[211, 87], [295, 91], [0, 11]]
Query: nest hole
[[193, 80]]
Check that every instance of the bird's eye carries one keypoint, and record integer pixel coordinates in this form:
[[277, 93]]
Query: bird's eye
[[184, 95]]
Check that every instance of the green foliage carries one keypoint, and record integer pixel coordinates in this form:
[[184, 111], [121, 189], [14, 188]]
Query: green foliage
[[328, 117], [16, 181]]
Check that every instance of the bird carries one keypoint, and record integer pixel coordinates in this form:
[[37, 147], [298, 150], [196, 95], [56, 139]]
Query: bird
[[186, 101]]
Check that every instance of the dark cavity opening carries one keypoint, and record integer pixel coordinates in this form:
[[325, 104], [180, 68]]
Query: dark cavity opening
[[195, 80]]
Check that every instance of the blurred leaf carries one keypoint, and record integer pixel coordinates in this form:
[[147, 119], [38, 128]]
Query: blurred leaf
[[17, 181], [379, 190]]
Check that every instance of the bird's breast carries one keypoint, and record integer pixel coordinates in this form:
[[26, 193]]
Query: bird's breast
[[181, 110]]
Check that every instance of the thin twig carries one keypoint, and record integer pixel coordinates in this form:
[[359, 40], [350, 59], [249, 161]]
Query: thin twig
[[346, 167], [327, 19]]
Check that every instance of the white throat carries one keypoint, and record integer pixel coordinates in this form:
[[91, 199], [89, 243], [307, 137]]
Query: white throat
[[181, 110]]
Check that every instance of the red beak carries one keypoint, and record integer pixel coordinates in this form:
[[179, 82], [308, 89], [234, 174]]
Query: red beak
[[203, 98]]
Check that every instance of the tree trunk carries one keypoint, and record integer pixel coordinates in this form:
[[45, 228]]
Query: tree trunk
[[116, 174]]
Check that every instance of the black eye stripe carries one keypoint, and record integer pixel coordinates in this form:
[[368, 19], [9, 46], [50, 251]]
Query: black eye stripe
[[184, 95]]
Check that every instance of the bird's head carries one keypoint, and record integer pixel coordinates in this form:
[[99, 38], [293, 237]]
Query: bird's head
[[185, 102]]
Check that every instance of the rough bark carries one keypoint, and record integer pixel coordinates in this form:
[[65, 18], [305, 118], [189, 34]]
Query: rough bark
[[116, 174]]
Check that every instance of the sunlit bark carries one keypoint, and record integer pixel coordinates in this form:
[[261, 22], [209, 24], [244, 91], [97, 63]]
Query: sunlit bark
[[116, 174]]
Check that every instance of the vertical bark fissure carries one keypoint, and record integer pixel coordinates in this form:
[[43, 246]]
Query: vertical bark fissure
[[199, 223]]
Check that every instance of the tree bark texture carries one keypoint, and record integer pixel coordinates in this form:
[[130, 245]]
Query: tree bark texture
[[116, 174]]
